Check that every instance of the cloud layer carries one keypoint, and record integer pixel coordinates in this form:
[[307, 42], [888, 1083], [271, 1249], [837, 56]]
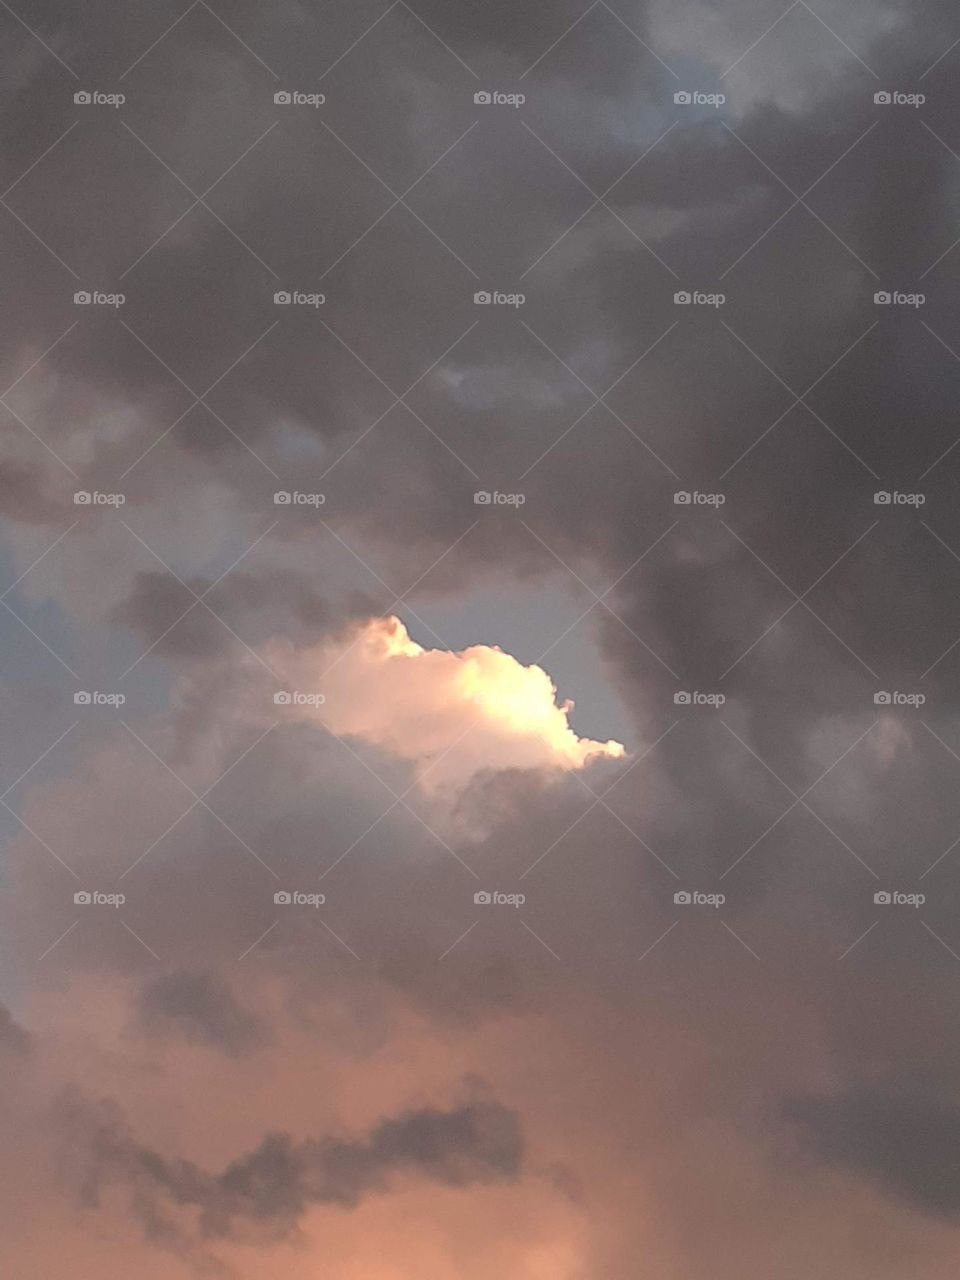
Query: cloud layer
[[387, 1075]]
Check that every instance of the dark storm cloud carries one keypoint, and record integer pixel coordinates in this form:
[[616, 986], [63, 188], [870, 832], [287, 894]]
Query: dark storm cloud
[[699, 400], [709, 406], [332, 395], [269, 1189], [156, 608], [167, 617], [202, 1008], [907, 1146]]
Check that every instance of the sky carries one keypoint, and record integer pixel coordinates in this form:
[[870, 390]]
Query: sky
[[480, 630]]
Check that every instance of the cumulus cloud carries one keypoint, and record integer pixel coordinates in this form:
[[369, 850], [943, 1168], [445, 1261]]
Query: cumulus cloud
[[454, 714]]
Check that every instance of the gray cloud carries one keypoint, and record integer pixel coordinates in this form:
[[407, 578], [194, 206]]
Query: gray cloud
[[13, 1037], [269, 1189], [201, 1007], [908, 1146], [310, 405]]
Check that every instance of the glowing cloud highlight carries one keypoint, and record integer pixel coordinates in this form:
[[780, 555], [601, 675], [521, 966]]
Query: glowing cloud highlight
[[456, 714]]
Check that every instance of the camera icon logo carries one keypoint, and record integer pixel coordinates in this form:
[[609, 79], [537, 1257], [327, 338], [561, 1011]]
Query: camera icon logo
[[82, 898], [282, 98], [282, 498], [482, 898], [682, 898], [681, 698], [882, 298], [482, 498], [81, 698], [282, 698], [81, 498], [82, 98], [683, 98], [282, 898], [682, 299], [282, 298], [882, 98], [82, 298], [482, 99], [882, 498], [882, 898], [482, 298], [681, 498], [882, 699]]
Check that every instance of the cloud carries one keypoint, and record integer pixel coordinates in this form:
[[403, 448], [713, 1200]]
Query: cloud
[[13, 1037], [267, 1191], [202, 1008], [455, 714], [906, 1145], [702, 391]]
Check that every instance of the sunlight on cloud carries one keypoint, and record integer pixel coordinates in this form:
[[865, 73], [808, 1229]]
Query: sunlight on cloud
[[454, 713]]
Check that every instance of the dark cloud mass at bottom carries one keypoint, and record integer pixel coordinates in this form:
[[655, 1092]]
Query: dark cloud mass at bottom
[[643, 310], [273, 1186]]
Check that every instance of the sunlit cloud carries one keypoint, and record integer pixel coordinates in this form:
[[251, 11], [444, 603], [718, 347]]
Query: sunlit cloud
[[455, 714]]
